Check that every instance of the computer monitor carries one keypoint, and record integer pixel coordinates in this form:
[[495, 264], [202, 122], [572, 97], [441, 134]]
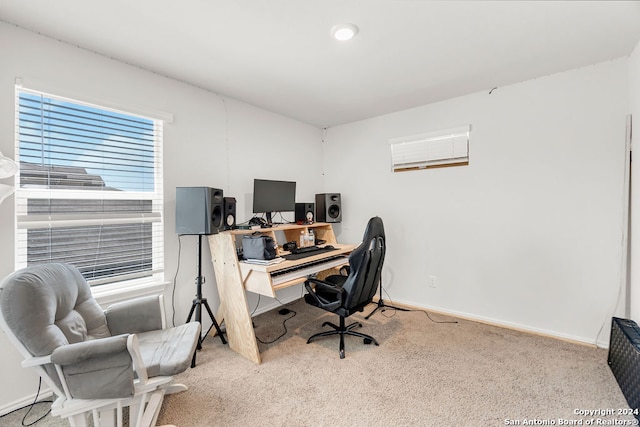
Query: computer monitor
[[273, 196]]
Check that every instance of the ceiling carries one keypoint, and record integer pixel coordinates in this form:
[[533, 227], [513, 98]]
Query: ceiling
[[278, 54]]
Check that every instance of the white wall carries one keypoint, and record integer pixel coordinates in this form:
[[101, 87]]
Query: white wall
[[529, 234], [634, 109], [212, 141]]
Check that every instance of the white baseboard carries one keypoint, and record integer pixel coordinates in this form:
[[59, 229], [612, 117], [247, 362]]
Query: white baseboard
[[503, 324]]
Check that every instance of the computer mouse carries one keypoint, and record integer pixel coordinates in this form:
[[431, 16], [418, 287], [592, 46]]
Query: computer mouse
[[329, 247]]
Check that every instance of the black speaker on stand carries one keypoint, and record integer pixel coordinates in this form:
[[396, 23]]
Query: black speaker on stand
[[199, 211]]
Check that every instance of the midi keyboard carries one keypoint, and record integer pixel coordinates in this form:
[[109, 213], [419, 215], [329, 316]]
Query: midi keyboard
[[307, 269]]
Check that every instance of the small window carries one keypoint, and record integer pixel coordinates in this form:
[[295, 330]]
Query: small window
[[89, 189], [448, 147]]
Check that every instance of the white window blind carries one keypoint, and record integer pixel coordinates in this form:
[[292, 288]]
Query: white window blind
[[448, 147], [89, 189]]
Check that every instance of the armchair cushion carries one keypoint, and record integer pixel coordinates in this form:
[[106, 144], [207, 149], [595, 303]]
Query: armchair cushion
[[97, 369], [168, 351], [164, 352], [134, 316]]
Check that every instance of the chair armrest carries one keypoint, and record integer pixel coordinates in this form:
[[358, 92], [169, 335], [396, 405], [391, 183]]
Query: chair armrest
[[81, 351], [96, 369], [135, 316], [322, 302]]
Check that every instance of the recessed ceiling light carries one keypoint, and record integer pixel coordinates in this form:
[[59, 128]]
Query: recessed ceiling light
[[344, 32]]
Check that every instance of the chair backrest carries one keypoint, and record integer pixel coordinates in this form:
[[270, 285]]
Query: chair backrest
[[50, 305], [47, 306], [365, 266]]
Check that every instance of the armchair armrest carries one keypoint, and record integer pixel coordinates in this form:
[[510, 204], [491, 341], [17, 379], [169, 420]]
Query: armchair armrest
[[135, 316], [96, 369], [79, 352], [327, 288]]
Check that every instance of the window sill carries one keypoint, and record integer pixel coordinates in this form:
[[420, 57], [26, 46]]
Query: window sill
[[110, 294]]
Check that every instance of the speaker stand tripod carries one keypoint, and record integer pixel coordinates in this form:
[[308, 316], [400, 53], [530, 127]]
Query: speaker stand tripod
[[198, 302], [381, 305]]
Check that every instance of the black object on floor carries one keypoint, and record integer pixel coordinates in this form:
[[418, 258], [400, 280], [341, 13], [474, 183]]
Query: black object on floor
[[624, 360]]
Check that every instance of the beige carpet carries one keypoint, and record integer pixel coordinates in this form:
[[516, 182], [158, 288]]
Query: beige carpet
[[423, 374]]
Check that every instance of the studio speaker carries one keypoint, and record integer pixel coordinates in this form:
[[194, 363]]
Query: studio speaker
[[305, 213], [229, 213], [199, 210], [328, 207]]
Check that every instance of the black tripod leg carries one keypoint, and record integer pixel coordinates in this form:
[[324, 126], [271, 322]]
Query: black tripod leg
[[193, 307], [215, 324], [193, 359], [378, 307], [382, 305]]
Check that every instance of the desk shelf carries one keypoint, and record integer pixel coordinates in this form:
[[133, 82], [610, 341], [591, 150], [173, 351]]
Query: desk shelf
[[234, 277], [291, 232]]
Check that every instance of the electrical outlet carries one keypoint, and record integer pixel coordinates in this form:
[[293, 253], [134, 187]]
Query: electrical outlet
[[432, 281]]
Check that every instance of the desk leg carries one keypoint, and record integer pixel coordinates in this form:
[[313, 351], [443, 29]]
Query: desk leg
[[233, 298]]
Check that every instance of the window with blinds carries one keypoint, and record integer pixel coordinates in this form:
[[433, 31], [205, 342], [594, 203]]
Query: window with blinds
[[449, 147], [89, 189]]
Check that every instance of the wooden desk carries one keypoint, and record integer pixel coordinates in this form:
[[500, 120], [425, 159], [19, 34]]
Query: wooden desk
[[234, 278]]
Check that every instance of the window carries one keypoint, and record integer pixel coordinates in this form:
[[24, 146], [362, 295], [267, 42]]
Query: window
[[89, 189], [448, 147]]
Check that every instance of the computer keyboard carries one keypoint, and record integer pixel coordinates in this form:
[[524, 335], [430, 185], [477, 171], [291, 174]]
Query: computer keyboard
[[305, 250], [307, 268], [298, 253]]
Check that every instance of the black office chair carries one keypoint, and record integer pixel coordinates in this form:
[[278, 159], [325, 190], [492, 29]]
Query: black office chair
[[345, 295]]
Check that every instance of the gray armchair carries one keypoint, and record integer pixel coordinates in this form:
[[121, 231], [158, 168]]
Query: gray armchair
[[96, 361]]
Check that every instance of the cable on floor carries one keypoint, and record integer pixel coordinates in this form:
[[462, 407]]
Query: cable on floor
[[406, 309], [30, 406]]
